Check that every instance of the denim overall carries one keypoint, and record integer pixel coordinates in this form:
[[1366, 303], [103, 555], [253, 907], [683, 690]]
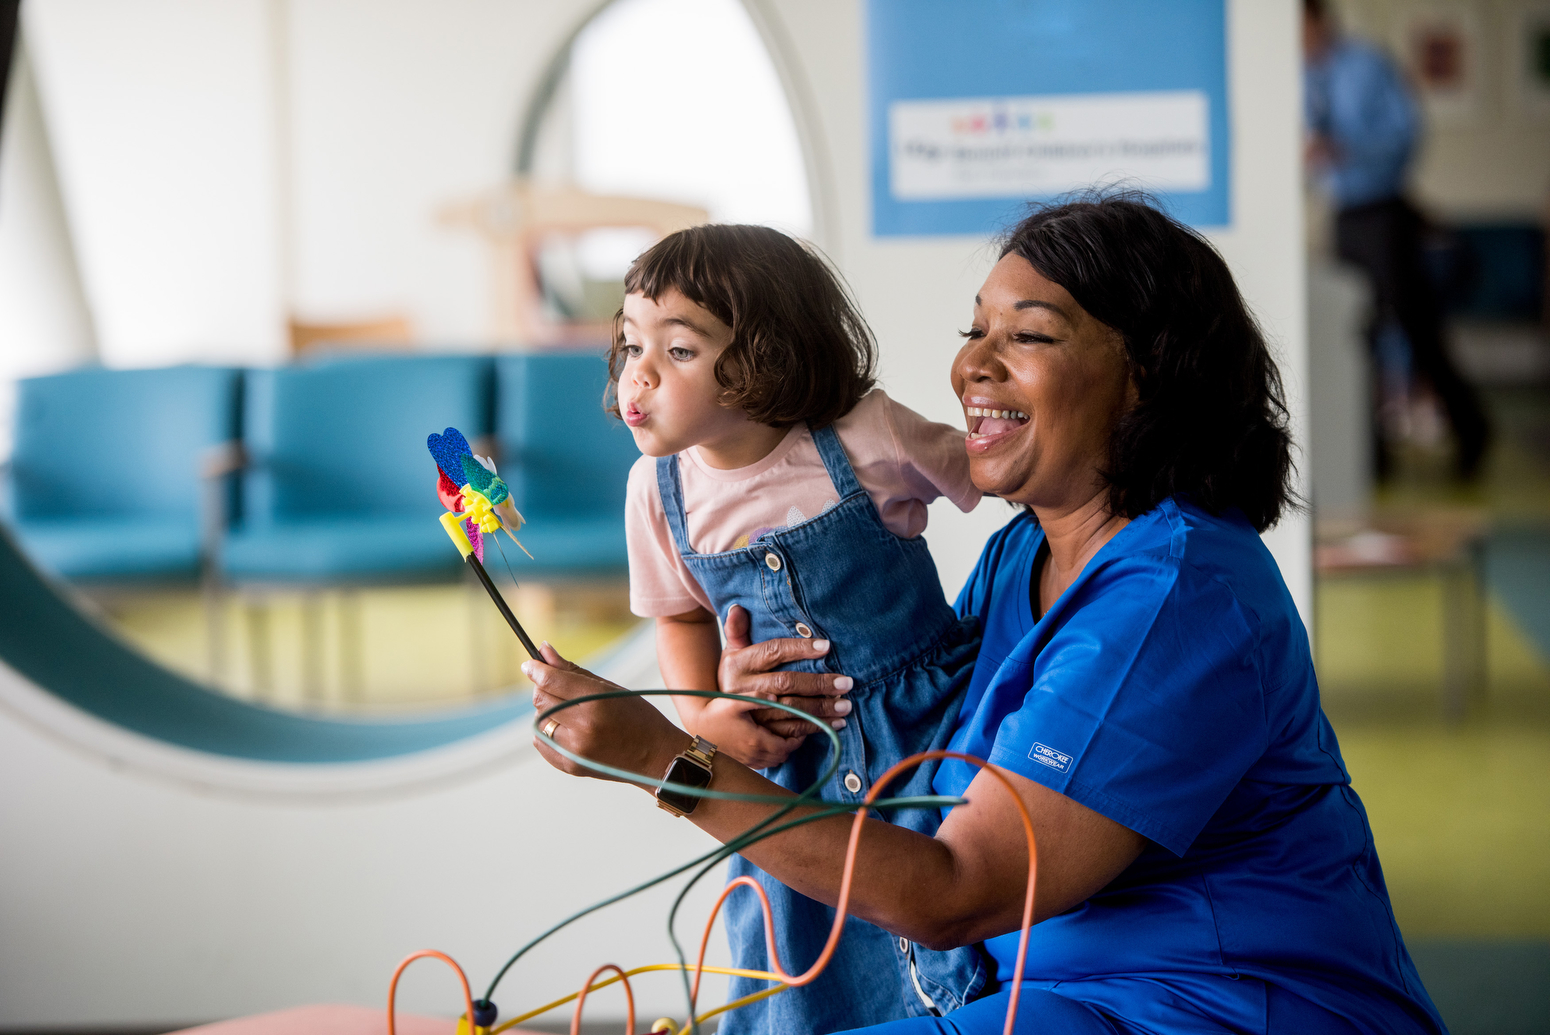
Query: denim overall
[[844, 577]]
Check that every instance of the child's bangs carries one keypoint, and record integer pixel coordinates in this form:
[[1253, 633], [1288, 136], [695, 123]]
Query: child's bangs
[[683, 263], [800, 350]]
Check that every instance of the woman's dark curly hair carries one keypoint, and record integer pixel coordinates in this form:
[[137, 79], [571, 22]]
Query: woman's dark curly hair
[[1211, 420], [800, 350]]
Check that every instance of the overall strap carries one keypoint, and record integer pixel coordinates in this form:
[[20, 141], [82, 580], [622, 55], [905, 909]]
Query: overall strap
[[670, 484], [835, 461]]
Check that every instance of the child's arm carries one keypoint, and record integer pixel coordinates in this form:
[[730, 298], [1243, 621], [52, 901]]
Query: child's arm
[[688, 654], [688, 651]]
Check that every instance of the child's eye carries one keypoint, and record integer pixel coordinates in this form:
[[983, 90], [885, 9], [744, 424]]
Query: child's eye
[[633, 351], [680, 353]]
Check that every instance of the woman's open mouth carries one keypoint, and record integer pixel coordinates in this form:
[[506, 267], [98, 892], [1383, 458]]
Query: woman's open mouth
[[988, 425]]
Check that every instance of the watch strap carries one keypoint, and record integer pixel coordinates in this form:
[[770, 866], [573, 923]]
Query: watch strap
[[701, 751], [702, 755]]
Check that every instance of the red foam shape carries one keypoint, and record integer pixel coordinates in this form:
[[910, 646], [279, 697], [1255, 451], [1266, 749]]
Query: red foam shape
[[450, 494]]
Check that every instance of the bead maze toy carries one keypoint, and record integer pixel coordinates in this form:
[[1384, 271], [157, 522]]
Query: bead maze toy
[[478, 504]]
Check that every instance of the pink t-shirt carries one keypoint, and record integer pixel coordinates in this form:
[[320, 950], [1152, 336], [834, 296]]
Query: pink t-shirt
[[902, 460]]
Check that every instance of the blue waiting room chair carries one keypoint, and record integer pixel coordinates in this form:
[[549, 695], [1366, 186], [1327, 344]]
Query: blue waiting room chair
[[114, 473], [339, 487], [340, 491], [565, 460]]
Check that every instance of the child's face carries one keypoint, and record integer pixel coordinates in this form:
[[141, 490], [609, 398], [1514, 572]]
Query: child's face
[[668, 393]]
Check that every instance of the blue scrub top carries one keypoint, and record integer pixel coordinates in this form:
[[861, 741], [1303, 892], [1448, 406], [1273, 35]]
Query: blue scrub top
[[1171, 689]]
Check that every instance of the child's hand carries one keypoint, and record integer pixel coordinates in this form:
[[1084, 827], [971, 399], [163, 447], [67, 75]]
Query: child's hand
[[731, 727]]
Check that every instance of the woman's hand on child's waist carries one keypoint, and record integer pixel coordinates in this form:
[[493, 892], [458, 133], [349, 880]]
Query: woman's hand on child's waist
[[746, 668]]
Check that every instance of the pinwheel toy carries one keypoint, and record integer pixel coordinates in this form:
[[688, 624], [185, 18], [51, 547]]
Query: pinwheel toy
[[478, 504]]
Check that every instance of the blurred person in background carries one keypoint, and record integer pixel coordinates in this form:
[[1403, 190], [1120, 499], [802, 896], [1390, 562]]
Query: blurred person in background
[[1363, 127]]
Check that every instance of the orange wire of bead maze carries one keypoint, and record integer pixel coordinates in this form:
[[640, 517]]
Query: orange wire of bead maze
[[778, 974]]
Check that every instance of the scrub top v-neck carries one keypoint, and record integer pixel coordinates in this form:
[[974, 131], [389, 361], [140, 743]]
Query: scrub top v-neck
[[1171, 689]]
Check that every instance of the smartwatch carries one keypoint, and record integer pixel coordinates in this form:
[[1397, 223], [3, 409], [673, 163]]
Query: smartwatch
[[691, 767]]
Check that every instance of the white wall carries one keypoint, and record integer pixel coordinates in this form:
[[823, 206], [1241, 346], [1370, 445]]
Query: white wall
[[755, 172], [224, 165], [1265, 245], [134, 894], [397, 107], [1486, 156], [45, 325], [161, 119], [129, 898], [918, 292], [1340, 421]]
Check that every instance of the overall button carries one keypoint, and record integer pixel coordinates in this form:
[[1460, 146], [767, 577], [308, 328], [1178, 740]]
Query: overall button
[[803, 629], [904, 945], [852, 782], [772, 561]]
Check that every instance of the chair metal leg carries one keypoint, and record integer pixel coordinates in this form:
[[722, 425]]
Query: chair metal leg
[[216, 466], [213, 600], [1463, 644], [312, 646], [1474, 623], [260, 657], [352, 650]]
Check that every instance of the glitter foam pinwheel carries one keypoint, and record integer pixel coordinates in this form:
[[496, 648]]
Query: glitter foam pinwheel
[[478, 503], [476, 498]]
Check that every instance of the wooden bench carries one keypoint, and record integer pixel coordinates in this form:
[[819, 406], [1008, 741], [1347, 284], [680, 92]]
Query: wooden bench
[[1448, 545]]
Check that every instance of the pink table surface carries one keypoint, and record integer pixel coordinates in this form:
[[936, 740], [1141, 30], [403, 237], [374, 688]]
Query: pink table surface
[[328, 1020]]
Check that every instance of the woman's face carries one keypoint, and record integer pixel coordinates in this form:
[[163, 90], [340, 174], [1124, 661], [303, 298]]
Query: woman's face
[[1059, 374]]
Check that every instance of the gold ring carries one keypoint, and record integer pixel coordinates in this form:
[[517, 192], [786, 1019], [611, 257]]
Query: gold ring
[[550, 727]]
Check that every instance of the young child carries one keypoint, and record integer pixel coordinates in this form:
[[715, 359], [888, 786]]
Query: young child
[[777, 478]]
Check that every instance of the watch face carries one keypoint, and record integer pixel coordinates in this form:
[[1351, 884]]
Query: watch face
[[685, 772]]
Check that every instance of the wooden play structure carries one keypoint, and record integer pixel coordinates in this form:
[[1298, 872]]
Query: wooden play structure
[[518, 218]]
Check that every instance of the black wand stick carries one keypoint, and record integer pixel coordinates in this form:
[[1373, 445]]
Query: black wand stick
[[505, 610]]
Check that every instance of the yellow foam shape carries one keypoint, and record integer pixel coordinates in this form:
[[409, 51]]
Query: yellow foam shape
[[453, 523], [481, 510]]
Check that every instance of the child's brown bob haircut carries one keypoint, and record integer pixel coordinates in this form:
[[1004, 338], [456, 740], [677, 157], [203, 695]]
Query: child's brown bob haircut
[[800, 351]]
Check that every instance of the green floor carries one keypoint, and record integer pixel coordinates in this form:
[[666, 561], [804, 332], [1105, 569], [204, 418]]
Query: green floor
[[368, 649], [1460, 810]]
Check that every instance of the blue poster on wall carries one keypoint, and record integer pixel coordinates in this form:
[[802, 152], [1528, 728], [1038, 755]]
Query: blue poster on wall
[[979, 106]]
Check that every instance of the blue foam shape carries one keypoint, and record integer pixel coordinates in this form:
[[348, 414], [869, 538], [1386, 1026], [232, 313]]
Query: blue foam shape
[[449, 448]]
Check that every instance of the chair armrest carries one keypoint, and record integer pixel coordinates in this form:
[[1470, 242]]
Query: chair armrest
[[486, 446], [216, 466], [222, 459]]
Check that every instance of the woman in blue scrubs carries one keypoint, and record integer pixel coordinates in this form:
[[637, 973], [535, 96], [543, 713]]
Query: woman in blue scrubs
[[1145, 681]]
